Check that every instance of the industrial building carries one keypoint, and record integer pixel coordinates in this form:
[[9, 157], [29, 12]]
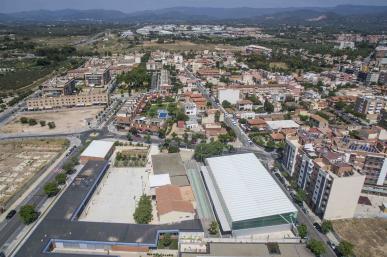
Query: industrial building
[[97, 150], [245, 197]]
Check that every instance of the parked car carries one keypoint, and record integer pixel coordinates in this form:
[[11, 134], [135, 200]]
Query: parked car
[[332, 245], [10, 216], [317, 226]]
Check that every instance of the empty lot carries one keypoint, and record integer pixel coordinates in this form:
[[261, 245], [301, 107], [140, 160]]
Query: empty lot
[[69, 120], [21, 160], [368, 235]]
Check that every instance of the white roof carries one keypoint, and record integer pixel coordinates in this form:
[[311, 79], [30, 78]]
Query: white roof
[[282, 124], [159, 180], [247, 188], [98, 148]]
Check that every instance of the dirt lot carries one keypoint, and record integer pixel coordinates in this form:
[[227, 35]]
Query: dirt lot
[[368, 235], [21, 160], [71, 120]]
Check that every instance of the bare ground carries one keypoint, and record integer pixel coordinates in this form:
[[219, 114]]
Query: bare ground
[[369, 236]]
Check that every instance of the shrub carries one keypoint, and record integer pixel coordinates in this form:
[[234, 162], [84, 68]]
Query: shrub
[[326, 226], [143, 212], [51, 125], [51, 189], [28, 214], [61, 178]]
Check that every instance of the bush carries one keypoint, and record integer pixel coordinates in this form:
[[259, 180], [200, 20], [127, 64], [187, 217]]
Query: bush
[[51, 189], [317, 247], [204, 150], [42, 123], [32, 122], [226, 104], [28, 214], [173, 149], [326, 226], [61, 178], [143, 212], [214, 228], [51, 125], [24, 120], [302, 230], [345, 249]]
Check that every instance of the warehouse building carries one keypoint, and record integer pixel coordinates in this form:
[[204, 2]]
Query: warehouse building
[[245, 197], [97, 150]]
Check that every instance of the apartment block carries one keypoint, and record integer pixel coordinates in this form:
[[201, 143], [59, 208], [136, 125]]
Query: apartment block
[[290, 153], [97, 77], [332, 186], [58, 86], [88, 98], [370, 105]]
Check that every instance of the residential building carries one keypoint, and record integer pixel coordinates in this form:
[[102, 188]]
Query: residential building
[[58, 86], [332, 186], [88, 97], [245, 105], [97, 77], [190, 109], [370, 104], [291, 151]]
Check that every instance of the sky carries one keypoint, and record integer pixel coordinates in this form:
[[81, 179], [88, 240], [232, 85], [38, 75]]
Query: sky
[[128, 6]]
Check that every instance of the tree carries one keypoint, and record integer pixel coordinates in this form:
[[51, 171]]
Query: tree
[[173, 149], [24, 120], [147, 138], [161, 133], [129, 136], [42, 123], [167, 240], [134, 131], [302, 230], [51, 125], [217, 116], [214, 228], [181, 116], [300, 196], [32, 122], [268, 107], [317, 247], [68, 167], [326, 226], [226, 104], [345, 248], [204, 150], [143, 212], [51, 189], [28, 214], [61, 178]]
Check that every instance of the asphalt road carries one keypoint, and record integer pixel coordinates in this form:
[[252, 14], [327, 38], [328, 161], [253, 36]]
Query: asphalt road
[[302, 218]]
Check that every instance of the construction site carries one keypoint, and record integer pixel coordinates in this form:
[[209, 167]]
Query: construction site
[[21, 161]]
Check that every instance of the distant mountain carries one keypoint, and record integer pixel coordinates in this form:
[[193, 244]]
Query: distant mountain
[[65, 15], [204, 15]]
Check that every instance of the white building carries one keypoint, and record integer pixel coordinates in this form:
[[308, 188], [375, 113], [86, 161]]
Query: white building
[[245, 196], [97, 150], [190, 109]]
